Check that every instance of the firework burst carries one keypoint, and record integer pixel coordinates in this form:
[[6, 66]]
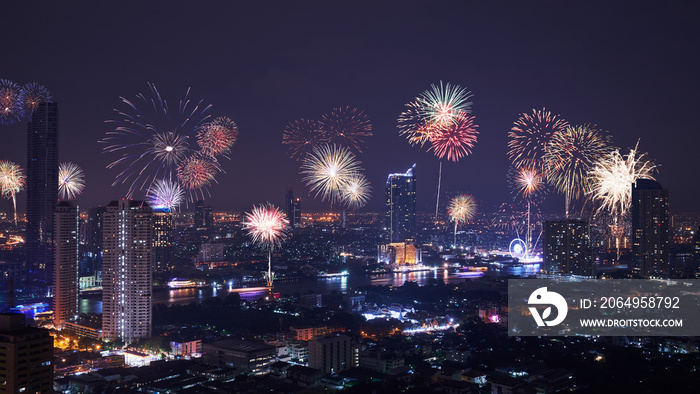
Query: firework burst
[[166, 193], [151, 139], [461, 209], [347, 126], [570, 155], [356, 191], [12, 180], [30, 96], [530, 135], [218, 136], [10, 110], [267, 226], [527, 183], [327, 170], [197, 172], [444, 103], [613, 176], [455, 139], [303, 136], [414, 127], [71, 181]]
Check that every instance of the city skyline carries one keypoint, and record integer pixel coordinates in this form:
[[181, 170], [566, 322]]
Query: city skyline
[[272, 68]]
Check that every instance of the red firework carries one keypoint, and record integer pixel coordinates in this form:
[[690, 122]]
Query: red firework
[[302, 136], [218, 136], [454, 139], [347, 126], [196, 172]]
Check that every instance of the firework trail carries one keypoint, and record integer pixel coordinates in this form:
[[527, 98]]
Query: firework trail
[[10, 111], [356, 191], [327, 170], [166, 193], [455, 139], [461, 209], [30, 96], [12, 180], [444, 103], [267, 227], [346, 126], [71, 181], [570, 155], [303, 136], [529, 184], [151, 139], [530, 135], [217, 137]]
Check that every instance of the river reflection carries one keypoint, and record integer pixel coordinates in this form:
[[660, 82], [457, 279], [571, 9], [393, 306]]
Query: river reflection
[[342, 284]]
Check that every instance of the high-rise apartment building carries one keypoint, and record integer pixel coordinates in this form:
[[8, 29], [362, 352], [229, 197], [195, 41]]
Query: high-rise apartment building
[[127, 271], [292, 207], [650, 229], [162, 239], [567, 248], [203, 216], [94, 239], [65, 301], [26, 355], [401, 206], [42, 191], [331, 354]]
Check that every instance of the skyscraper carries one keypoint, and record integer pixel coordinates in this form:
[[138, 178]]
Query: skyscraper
[[162, 239], [127, 271], [42, 191], [650, 229], [401, 206], [203, 216], [293, 207], [65, 301], [94, 239], [567, 248]]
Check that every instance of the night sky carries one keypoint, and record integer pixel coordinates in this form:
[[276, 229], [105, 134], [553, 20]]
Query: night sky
[[631, 67]]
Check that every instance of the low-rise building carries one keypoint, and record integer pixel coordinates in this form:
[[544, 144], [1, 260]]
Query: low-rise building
[[250, 357]]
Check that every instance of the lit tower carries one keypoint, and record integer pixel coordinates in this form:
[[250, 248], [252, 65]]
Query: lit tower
[[65, 301], [127, 271], [401, 206], [650, 229]]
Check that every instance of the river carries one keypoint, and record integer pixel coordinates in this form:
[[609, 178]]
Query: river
[[93, 303]]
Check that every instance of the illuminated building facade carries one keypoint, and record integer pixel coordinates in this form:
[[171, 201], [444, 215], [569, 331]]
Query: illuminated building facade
[[567, 248], [94, 239], [162, 239], [401, 206], [66, 284], [42, 191], [127, 271], [26, 356], [399, 253], [650, 229]]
